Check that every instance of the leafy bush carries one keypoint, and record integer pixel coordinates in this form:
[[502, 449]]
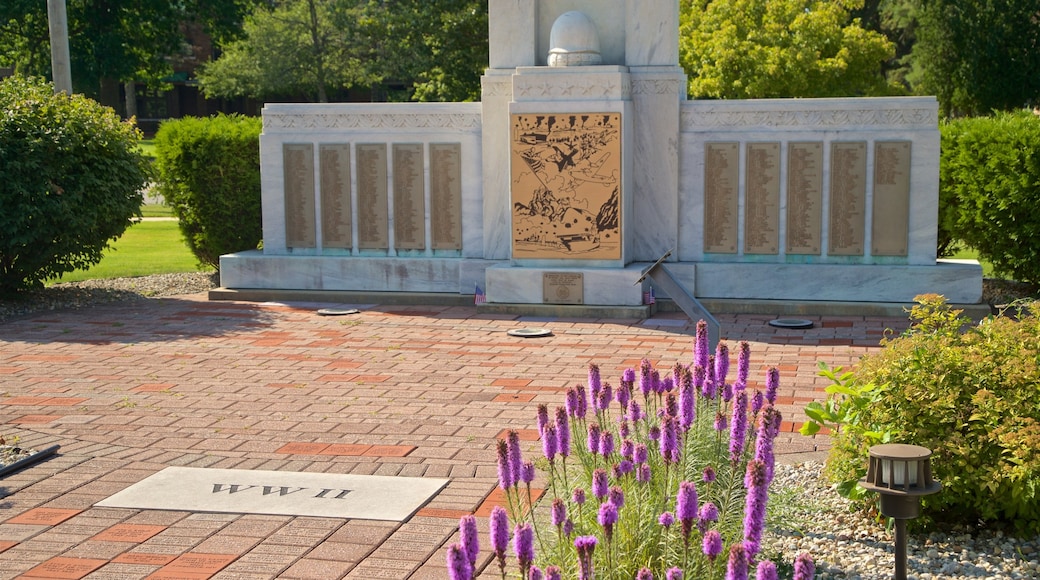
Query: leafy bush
[[969, 393], [666, 477], [71, 176], [209, 172], [990, 189]]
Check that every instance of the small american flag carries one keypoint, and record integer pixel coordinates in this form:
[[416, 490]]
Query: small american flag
[[478, 296], [648, 297]]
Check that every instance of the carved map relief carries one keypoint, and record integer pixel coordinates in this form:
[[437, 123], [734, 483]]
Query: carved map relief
[[762, 199], [300, 228], [409, 204], [848, 198], [566, 186], [721, 175], [891, 223], [373, 208], [446, 196], [335, 195], [804, 197]]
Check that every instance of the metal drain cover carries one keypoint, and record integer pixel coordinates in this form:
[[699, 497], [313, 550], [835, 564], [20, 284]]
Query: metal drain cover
[[794, 323], [337, 311], [529, 332]]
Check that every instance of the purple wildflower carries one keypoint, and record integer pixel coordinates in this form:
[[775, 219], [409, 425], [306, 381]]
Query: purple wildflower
[[535, 573], [772, 384], [768, 428], [606, 395], [593, 439], [635, 412], [595, 385], [549, 442], [571, 402], [624, 395], [706, 515], [804, 568], [623, 429], [515, 460], [755, 506], [585, 545], [543, 417], [599, 483], [738, 428], [617, 496], [459, 566], [671, 405], [523, 545], [673, 573], [643, 474], [711, 388], [558, 513], [654, 433], [667, 384], [505, 473], [499, 524], [677, 372], [766, 571], [606, 443], [709, 474], [469, 537], [720, 421], [628, 376], [568, 527], [743, 365], [582, 402], [756, 402], [736, 568], [727, 392], [640, 454], [527, 472], [553, 573], [628, 448], [712, 544], [666, 519], [625, 466], [646, 382], [700, 345], [615, 470], [699, 376], [721, 362], [687, 401], [686, 507], [563, 432], [607, 517], [578, 496], [644, 574], [669, 438], [655, 381]]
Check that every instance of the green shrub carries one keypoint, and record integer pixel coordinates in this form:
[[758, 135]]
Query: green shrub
[[970, 394], [990, 190], [209, 173], [71, 177]]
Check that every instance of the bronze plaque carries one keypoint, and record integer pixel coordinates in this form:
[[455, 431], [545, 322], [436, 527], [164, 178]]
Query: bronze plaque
[[804, 197], [373, 210], [762, 199], [409, 197], [890, 226], [298, 164], [335, 195], [848, 198], [446, 196], [563, 288], [566, 185], [721, 176]]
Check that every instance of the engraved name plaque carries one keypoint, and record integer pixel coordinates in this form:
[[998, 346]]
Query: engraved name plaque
[[762, 204], [891, 222], [446, 196], [373, 210], [409, 204], [335, 195], [300, 228], [804, 197], [721, 175], [563, 288], [848, 198]]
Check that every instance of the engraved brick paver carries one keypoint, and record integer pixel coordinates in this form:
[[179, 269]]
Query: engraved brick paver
[[135, 533], [43, 516], [65, 568]]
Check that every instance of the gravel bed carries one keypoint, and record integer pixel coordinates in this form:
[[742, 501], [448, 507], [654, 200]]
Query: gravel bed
[[846, 544]]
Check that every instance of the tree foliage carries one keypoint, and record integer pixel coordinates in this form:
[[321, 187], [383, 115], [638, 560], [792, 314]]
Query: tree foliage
[[781, 48]]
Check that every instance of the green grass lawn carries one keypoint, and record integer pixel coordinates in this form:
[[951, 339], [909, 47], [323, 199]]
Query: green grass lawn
[[969, 254], [156, 210], [146, 248]]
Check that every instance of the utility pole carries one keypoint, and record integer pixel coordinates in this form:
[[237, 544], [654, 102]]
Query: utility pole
[[61, 69]]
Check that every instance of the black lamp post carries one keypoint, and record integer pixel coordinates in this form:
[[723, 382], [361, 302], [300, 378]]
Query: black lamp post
[[901, 474]]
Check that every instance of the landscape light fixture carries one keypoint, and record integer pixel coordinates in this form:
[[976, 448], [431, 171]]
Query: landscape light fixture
[[901, 474]]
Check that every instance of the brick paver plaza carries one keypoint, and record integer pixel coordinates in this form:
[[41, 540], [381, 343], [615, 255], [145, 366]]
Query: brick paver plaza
[[130, 389]]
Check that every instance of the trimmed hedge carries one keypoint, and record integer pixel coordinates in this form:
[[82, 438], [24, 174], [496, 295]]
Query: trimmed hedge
[[209, 173], [71, 175], [990, 190]]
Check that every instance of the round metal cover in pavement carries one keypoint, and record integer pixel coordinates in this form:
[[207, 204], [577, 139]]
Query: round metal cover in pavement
[[795, 323], [529, 332], [337, 311]]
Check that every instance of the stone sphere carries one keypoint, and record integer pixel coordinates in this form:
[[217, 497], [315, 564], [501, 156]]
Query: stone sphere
[[574, 41]]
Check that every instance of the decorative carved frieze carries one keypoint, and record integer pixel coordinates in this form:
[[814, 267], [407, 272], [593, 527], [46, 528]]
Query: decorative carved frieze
[[554, 87], [441, 121], [698, 117]]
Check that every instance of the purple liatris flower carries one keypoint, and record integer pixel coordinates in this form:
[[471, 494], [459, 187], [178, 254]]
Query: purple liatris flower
[[755, 506], [505, 473], [535, 573], [624, 395], [738, 427], [606, 443], [623, 429], [499, 527], [558, 513], [768, 428], [578, 496], [593, 439], [804, 568], [585, 545], [686, 506], [635, 412], [617, 496], [687, 401], [666, 519], [646, 381], [469, 538], [625, 466], [568, 527], [772, 384], [515, 459], [671, 405], [607, 518], [640, 454], [599, 483], [766, 571], [727, 392], [523, 545], [707, 514], [673, 573], [711, 388], [628, 448], [459, 567], [643, 473], [736, 567], [720, 421], [527, 472], [756, 402], [582, 402], [595, 385], [700, 345], [644, 574], [667, 384], [543, 417], [549, 442], [606, 395], [563, 432], [743, 365], [571, 402], [700, 374], [655, 382], [721, 363], [553, 573], [709, 474], [628, 376], [654, 433], [669, 438], [712, 545]]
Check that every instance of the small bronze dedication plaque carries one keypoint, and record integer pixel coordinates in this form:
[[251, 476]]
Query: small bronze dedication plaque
[[563, 288]]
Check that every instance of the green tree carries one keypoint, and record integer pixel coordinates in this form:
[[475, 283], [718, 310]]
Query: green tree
[[738, 49]]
